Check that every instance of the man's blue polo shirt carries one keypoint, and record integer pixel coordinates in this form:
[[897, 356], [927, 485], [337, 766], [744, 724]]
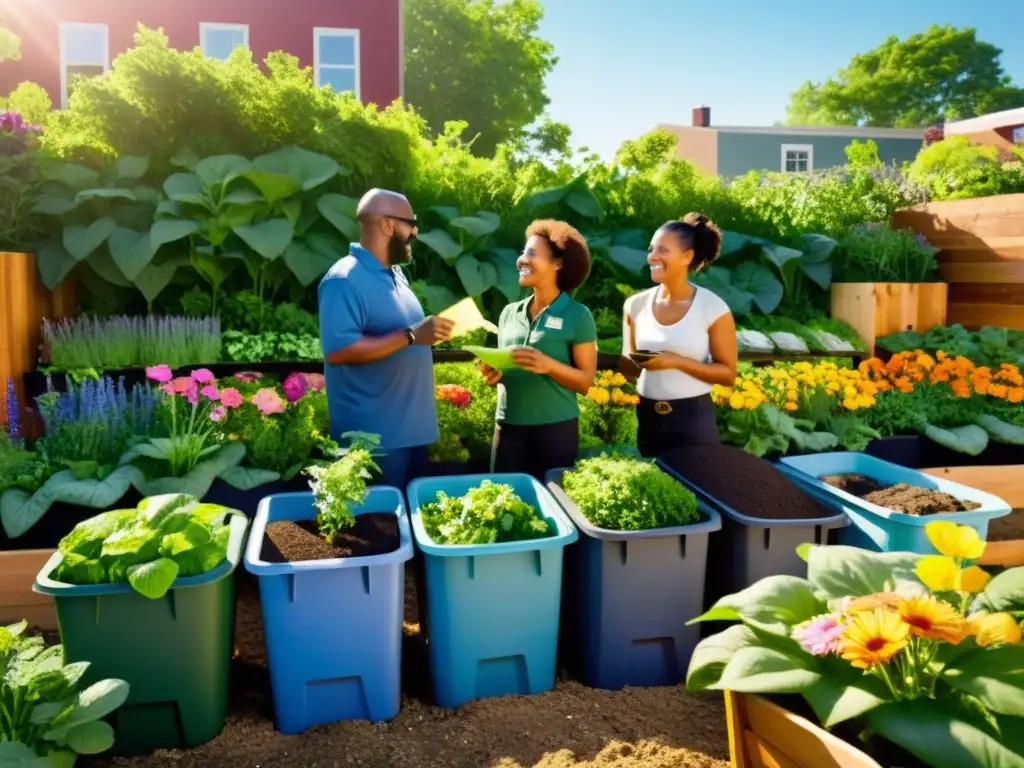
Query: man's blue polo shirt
[[393, 397]]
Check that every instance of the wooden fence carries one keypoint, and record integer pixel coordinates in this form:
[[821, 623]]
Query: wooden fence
[[982, 256], [24, 302]]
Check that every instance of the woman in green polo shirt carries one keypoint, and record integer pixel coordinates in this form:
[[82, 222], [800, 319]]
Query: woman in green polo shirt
[[554, 343]]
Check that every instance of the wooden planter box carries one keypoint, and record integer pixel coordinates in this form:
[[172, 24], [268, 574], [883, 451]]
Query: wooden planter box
[[878, 309], [764, 735], [1008, 484], [24, 302], [18, 570], [981, 255]]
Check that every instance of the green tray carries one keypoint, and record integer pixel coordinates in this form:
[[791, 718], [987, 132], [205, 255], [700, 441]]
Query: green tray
[[175, 652], [498, 359]]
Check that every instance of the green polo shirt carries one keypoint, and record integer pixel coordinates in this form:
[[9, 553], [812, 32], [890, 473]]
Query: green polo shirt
[[524, 398]]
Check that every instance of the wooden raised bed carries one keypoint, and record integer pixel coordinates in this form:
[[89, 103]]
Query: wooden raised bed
[[981, 256], [764, 735], [878, 309], [18, 571]]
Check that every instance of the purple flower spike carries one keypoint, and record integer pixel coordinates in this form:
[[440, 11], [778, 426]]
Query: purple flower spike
[[13, 414]]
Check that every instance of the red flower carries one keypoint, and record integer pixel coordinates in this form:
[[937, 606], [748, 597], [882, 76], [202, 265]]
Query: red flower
[[458, 396]]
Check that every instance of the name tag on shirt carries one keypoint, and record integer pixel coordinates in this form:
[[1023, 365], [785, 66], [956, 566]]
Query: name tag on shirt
[[555, 323]]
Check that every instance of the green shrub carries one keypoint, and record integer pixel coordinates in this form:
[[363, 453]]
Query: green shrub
[[30, 100], [954, 169], [474, 424], [877, 253]]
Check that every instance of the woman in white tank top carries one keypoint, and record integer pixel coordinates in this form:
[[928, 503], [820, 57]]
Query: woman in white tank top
[[690, 332]]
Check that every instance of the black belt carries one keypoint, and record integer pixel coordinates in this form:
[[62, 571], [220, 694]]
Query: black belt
[[665, 407]]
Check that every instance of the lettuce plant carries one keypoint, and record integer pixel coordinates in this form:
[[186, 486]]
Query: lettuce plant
[[148, 547], [622, 493], [491, 513], [42, 712], [338, 486]]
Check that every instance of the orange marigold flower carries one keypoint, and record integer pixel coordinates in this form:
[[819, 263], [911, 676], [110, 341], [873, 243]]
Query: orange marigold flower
[[998, 390], [1016, 395], [960, 388], [980, 384]]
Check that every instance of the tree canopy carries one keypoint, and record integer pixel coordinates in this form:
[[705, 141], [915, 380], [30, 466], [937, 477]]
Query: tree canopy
[[479, 61], [10, 45], [943, 73]]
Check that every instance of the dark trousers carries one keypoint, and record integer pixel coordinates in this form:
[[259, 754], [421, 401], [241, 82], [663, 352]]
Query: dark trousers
[[690, 421], [401, 466], [535, 450]]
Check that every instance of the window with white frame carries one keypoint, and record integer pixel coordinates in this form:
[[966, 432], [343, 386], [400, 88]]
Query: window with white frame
[[336, 59], [84, 52], [218, 41], [797, 158]]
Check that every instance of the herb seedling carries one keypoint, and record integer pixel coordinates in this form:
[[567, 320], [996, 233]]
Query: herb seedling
[[338, 486]]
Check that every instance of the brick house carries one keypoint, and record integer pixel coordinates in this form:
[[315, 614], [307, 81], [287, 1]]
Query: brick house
[[352, 45]]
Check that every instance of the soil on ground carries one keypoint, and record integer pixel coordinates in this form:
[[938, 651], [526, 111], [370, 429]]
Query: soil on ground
[[570, 727], [748, 484], [375, 533], [1007, 528], [902, 497]]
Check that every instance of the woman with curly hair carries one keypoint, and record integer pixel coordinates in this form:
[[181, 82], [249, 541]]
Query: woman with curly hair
[[554, 344], [679, 338]]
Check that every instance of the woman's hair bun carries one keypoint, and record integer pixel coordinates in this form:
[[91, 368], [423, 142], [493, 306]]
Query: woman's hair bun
[[701, 235]]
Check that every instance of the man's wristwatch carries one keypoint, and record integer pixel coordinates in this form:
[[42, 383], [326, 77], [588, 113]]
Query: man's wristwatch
[[410, 336]]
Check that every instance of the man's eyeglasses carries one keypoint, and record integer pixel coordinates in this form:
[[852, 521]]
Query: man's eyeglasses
[[411, 222]]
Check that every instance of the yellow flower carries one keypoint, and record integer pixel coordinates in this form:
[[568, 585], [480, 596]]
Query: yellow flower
[[992, 628], [874, 637], [736, 401], [932, 618], [598, 395], [790, 406], [959, 541], [973, 579], [618, 380], [938, 572]]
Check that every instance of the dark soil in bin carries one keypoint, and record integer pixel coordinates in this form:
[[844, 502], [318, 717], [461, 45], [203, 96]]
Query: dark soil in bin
[[1007, 528], [375, 533], [902, 497], [748, 484]]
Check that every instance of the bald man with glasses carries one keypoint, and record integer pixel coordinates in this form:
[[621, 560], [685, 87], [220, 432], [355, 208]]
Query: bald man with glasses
[[376, 340]]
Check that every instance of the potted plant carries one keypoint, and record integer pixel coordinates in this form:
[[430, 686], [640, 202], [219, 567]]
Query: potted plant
[[47, 721], [608, 415], [147, 595], [492, 550], [331, 565], [635, 574], [915, 660], [886, 280]]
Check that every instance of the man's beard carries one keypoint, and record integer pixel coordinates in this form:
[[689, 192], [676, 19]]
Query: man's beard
[[399, 251]]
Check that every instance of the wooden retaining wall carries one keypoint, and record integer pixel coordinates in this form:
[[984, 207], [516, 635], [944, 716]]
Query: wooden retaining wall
[[982, 256], [24, 302]]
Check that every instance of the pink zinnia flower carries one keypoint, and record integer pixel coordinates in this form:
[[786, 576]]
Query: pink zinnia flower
[[183, 385], [294, 387], [268, 401], [203, 376], [820, 636], [159, 373], [218, 413], [168, 388], [210, 392], [192, 396], [315, 381], [248, 377], [231, 397]]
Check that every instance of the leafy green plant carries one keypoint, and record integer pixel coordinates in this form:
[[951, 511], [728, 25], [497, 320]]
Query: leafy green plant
[[472, 425], [165, 537], [956, 168], [768, 430], [20, 468], [339, 486], [491, 513], [270, 346], [876, 253], [622, 493], [43, 714]]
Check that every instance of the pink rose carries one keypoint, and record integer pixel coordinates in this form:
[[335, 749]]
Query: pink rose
[[218, 413], [203, 376], [231, 397], [268, 401], [159, 373], [294, 387], [210, 392], [183, 385], [315, 381]]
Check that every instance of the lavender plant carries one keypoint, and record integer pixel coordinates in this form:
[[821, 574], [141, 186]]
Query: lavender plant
[[89, 427], [13, 407], [129, 342]]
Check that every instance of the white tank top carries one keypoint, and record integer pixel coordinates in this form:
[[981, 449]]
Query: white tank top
[[687, 338]]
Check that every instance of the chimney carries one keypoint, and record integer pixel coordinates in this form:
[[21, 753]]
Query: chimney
[[702, 117]]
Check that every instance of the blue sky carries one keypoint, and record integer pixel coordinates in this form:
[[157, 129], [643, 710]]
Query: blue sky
[[626, 65]]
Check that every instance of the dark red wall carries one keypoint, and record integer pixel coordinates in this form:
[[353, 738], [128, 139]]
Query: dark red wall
[[273, 25]]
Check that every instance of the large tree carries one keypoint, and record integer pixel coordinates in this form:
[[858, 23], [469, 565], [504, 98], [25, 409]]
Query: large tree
[[940, 74], [479, 61]]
